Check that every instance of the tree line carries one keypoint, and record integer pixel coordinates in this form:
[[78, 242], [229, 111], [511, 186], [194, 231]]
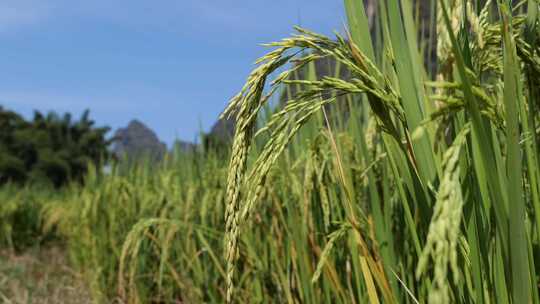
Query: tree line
[[49, 149]]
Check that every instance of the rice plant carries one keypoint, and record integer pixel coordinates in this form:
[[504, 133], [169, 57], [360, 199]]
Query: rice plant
[[408, 181], [487, 51]]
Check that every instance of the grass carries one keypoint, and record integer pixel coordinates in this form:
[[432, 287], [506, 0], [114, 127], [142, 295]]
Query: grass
[[427, 191]]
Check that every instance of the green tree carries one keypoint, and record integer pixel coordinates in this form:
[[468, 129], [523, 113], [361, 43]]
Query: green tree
[[50, 148]]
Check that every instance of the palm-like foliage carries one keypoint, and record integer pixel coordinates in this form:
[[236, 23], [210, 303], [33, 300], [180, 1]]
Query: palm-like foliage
[[50, 148]]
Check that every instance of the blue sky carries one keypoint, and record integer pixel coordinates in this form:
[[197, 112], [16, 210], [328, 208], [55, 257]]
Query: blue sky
[[173, 64]]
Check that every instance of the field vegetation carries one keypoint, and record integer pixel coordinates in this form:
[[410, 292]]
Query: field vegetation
[[426, 191]]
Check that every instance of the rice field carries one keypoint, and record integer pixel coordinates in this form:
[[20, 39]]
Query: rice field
[[426, 191]]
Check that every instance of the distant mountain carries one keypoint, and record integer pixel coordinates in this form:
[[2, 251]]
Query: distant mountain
[[220, 135], [137, 140]]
